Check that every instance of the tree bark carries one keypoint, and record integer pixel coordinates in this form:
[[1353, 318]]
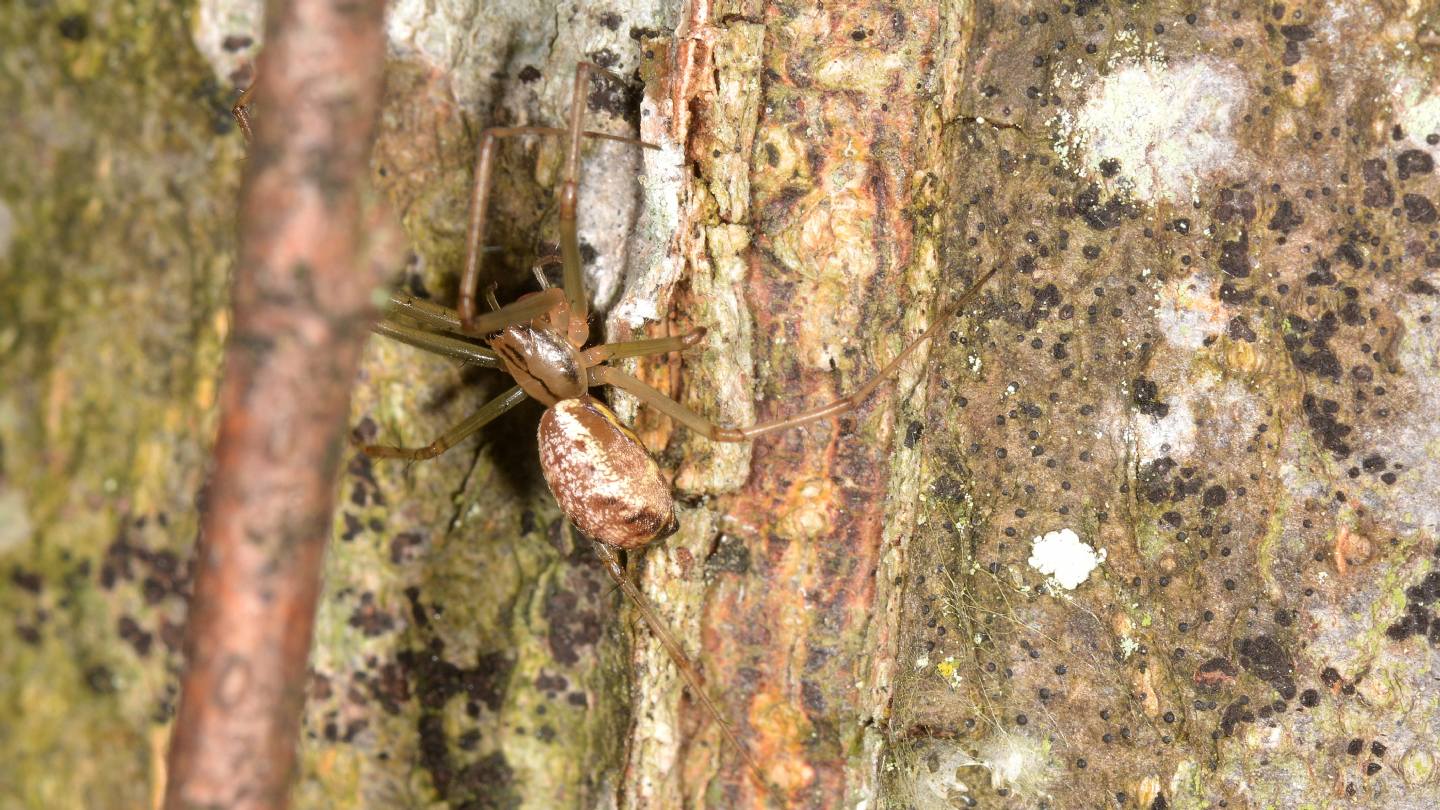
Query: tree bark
[[1208, 353]]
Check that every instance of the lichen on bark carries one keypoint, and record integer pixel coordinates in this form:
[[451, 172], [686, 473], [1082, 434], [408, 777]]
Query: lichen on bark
[[117, 187]]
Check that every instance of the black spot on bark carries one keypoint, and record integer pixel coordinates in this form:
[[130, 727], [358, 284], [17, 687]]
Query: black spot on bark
[[369, 619], [1144, 393], [25, 580], [74, 27], [1413, 161], [1216, 672], [1239, 329], [1379, 195], [1419, 209], [1265, 658], [613, 97], [730, 556], [1047, 299], [1230, 294], [571, 626], [487, 784], [130, 631], [948, 487], [1236, 713], [401, 546], [1235, 205], [1351, 255], [1322, 275], [1235, 258], [1099, 215], [1422, 287], [1286, 218], [100, 679], [604, 57], [1308, 345]]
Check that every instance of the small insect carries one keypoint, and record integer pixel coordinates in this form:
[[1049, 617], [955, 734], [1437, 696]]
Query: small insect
[[603, 478]]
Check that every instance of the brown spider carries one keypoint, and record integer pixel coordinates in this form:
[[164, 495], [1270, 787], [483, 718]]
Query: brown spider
[[604, 480], [602, 477]]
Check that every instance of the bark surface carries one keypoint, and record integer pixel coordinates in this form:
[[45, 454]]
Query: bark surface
[[1209, 353]]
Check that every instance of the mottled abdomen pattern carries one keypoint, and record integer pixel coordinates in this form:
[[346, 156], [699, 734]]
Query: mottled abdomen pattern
[[601, 475]]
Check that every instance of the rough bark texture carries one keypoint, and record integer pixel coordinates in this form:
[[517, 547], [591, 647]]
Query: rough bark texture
[[117, 203], [1209, 352]]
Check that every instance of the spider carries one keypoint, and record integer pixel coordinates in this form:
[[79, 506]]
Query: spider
[[604, 480], [602, 477]]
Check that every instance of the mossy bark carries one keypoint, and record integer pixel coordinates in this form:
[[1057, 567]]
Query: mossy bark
[[117, 189], [1209, 352]]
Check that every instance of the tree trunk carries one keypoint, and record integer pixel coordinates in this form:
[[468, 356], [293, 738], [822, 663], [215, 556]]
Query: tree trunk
[[1206, 362]]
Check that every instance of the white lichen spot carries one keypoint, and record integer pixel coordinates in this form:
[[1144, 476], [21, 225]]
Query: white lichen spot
[[1419, 115], [1012, 761], [1190, 311], [1128, 646], [448, 37], [1168, 127], [227, 34], [1064, 558]]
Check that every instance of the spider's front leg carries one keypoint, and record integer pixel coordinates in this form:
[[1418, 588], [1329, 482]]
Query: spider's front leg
[[574, 283], [241, 112]]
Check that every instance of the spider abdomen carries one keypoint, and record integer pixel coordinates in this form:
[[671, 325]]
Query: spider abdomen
[[602, 477]]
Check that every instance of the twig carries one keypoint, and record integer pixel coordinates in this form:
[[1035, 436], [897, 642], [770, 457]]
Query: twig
[[302, 308]]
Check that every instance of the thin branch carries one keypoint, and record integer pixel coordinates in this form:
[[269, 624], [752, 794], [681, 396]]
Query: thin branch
[[302, 309]]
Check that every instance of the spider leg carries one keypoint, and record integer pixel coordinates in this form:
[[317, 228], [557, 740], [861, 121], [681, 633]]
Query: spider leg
[[526, 309], [608, 375], [444, 345], [662, 633], [241, 111], [427, 313], [539, 270], [487, 413], [639, 348], [570, 193], [480, 201]]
